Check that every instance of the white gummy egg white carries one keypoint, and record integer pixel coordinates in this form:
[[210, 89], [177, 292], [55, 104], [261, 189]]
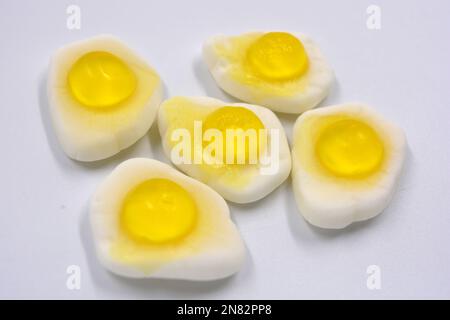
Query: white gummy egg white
[[347, 160], [151, 221], [240, 183], [102, 97], [281, 71]]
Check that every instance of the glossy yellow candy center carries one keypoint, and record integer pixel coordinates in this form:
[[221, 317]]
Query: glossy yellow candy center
[[233, 121], [99, 79], [277, 56], [158, 211], [350, 148]]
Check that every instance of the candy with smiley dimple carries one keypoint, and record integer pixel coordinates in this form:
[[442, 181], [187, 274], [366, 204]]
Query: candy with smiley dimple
[[282, 71], [346, 161]]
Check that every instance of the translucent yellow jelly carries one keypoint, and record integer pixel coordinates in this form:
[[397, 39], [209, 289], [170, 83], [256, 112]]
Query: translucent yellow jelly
[[99, 79], [277, 56], [234, 118], [350, 148], [158, 211]]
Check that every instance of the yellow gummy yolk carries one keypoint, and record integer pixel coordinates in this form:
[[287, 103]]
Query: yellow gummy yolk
[[99, 79], [350, 148], [158, 211], [235, 118], [277, 56]]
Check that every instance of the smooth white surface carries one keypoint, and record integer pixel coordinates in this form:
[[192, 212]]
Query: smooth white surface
[[402, 70]]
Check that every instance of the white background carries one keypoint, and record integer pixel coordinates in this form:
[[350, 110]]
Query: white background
[[403, 70]]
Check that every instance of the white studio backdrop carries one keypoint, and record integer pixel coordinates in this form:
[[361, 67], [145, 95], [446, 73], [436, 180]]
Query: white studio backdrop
[[402, 69]]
